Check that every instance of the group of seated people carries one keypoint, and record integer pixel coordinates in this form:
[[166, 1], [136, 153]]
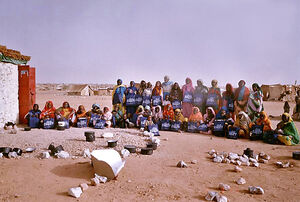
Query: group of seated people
[[50, 117], [237, 113]]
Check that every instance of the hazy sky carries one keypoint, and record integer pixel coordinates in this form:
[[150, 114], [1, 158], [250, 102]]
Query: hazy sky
[[96, 41]]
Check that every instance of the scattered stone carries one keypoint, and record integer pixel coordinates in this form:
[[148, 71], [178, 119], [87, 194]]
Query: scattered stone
[[211, 195], [12, 155], [218, 159], [233, 156], [264, 156], [220, 198], [84, 186], [283, 165], [263, 161], [224, 187], [224, 154], [255, 190], [238, 169], [241, 181], [239, 163], [75, 192], [226, 160], [181, 164], [45, 155], [107, 135], [194, 162], [62, 155], [245, 156], [86, 153], [211, 152], [129, 181], [213, 156], [155, 140], [232, 161], [255, 164], [243, 159], [95, 181], [125, 153], [101, 179], [252, 160]]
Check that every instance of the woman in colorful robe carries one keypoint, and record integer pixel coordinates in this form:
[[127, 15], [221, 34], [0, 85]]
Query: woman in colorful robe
[[118, 95], [243, 122], [209, 118], [65, 112], [48, 111], [228, 100], [241, 96], [187, 94], [196, 116], [168, 112], [33, 117], [200, 95], [130, 93], [255, 102], [214, 98], [80, 113], [287, 131], [167, 86]]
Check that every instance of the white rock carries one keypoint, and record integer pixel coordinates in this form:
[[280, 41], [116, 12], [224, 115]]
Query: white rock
[[238, 169], [255, 164], [224, 154], [107, 135], [101, 179], [86, 153], [95, 181], [125, 153], [75, 192], [246, 164], [241, 181], [211, 195], [45, 155], [12, 155], [1, 155], [155, 140], [243, 159], [218, 159], [84, 186], [213, 156], [283, 165], [181, 164], [232, 161], [252, 160], [255, 190], [245, 156], [226, 160], [233, 156], [239, 163], [224, 187], [62, 155], [211, 152], [194, 162], [220, 198]]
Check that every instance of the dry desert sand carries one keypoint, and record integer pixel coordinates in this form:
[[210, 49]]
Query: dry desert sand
[[144, 178]]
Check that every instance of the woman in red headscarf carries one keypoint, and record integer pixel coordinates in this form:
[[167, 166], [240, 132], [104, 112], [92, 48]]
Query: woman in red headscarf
[[168, 112], [48, 111], [187, 94]]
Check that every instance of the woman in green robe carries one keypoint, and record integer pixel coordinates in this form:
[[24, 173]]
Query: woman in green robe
[[287, 131]]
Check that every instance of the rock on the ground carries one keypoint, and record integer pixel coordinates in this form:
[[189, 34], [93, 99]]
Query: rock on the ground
[[95, 181], [263, 161], [211, 152], [238, 169], [62, 155], [107, 135], [243, 159], [125, 153], [1, 155], [194, 162], [233, 156], [101, 179], [211, 195], [241, 181], [86, 153], [75, 192], [181, 164], [45, 155], [255, 164], [220, 198], [238, 163], [224, 187], [283, 165], [12, 155], [255, 190], [84, 186], [218, 159], [226, 160]]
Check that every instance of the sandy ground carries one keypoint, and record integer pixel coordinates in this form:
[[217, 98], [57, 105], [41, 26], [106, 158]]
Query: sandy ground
[[144, 178]]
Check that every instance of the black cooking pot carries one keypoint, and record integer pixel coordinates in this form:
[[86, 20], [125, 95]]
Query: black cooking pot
[[27, 128], [60, 128], [18, 151], [90, 136], [130, 148], [146, 151], [296, 155], [249, 152], [51, 147], [112, 143], [152, 145]]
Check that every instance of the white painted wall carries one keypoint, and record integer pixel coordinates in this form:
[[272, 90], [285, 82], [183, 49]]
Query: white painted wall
[[9, 97]]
